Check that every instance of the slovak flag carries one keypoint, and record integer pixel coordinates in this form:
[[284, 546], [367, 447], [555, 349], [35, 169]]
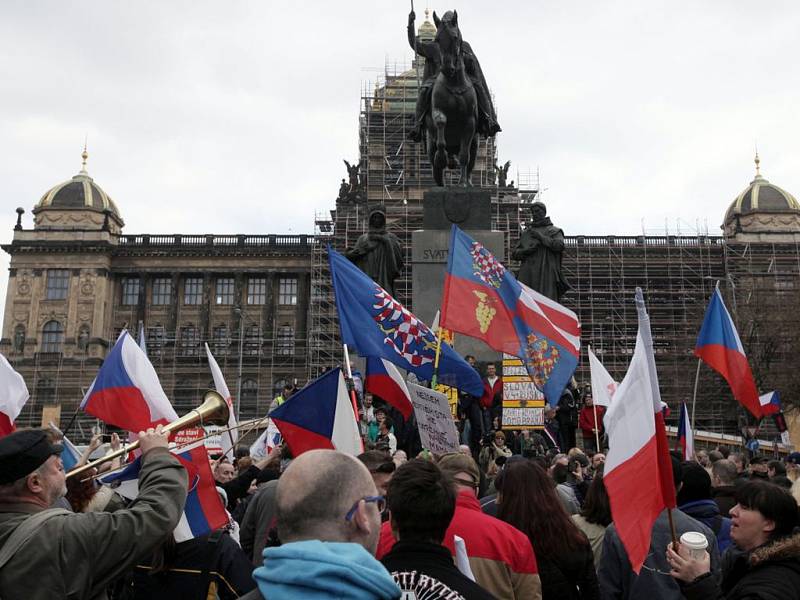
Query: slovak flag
[[484, 300], [228, 438], [638, 469], [13, 396], [770, 403], [385, 381], [685, 434], [320, 416], [203, 511], [126, 392], [719, 346]]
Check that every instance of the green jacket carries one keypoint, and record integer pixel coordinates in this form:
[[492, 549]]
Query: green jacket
[[77, 556]]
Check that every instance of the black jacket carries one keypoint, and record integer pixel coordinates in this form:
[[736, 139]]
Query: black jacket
[[771, 572], [570, 576], [724, 496], [422, 568]]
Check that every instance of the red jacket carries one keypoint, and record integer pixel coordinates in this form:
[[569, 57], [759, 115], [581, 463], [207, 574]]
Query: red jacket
[[492, 396], [587, 423], [500, 556]]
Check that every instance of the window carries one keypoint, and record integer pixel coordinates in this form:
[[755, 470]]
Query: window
[[130, 291], [225, 288], [252, 340], [155, 340], [193, 290], [220, 340], [162, 291], [285, 346], [257, 290], [45, 391], [287, 291], [249, 400], [190, 341], [57, 284], [52, 336]]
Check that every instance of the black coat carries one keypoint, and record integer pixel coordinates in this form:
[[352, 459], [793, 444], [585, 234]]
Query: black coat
[[423, 568], [771, 572], [725, 497], [570, 576]]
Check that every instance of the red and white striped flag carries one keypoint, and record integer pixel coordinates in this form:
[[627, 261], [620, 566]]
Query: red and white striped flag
[[227, 438]]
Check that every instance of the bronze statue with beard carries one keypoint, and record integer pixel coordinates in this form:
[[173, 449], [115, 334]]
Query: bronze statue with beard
[[539, 249], [378, 253]]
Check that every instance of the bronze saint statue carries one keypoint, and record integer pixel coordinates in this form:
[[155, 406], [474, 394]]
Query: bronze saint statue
[[539, 249], [378, 253]]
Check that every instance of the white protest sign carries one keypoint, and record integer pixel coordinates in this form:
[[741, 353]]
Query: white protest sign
[[437, 431]]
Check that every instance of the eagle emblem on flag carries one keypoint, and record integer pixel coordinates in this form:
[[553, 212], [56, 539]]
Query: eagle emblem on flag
[[405, 333], [486, 266], [541, 357]]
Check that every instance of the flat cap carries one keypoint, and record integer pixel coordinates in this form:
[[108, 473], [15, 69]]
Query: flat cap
[[22, 452], [456, 463]]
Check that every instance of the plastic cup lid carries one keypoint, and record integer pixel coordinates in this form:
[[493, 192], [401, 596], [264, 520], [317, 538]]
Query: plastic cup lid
[[694, 539]]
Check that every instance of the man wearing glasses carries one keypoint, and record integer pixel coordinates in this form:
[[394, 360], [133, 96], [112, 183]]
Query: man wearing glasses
[[329, 518]]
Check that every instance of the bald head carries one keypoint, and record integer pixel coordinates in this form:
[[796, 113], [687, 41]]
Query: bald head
[[315, 493]]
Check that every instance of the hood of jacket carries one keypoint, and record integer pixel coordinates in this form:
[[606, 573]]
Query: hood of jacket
[[315, 570], [700, 509], [785, 548]]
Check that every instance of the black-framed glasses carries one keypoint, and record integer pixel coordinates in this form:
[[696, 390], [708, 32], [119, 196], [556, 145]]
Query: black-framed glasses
[[379, 501]]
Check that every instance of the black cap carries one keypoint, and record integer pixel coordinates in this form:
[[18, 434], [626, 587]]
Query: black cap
[[23, 452]]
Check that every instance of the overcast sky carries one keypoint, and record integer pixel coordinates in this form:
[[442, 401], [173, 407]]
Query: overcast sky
[[234, 117]]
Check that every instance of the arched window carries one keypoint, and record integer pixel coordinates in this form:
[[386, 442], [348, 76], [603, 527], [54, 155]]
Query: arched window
[[19, 339], [248, 403], [52, 336]]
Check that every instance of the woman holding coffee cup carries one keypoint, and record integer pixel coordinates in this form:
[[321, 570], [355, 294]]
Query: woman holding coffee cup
[[764, 562]]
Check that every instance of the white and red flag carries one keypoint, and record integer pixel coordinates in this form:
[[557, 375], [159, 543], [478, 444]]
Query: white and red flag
[[603, 385], [13, 396], [228, 438], [638, 470]]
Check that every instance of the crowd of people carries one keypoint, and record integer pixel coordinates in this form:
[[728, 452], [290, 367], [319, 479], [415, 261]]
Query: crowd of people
[[511, 515]]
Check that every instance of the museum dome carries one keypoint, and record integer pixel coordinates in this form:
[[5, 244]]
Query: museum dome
[[79, 194], [763, 206]]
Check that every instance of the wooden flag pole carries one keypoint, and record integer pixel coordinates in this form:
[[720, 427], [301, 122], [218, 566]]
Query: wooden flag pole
[[350, 383], [596, 428], [436, 360], [694, 395]]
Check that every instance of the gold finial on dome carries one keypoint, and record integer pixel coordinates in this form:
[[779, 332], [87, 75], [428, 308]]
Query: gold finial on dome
[[758, 164], [84, 155]]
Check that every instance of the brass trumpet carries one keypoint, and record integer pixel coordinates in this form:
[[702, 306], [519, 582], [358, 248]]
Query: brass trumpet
[[213, 411]]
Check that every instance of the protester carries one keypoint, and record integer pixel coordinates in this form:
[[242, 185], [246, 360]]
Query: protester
[[723, 476], [776, 468], [285, 394], [237, 485], [694, 499], [617, 578], [550, 432], [702, 458], [566, 492], [224, 472], [259, 524], [492, 400], [386, 441], [738, 459], [758, 468], [421, 501], [528, 502], [329, 517], [767, 566], [598, 460], [792, 462], [71, 555], [595, 515], [492, 451], [381, 466], [576, 476], [590, 422], [500, 556], [400, 457], [567, 417]]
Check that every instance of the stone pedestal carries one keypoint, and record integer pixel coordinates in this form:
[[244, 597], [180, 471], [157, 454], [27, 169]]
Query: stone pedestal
[[470, 209]]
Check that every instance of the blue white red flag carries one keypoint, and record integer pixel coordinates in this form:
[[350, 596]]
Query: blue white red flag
[[385, 381], [372, 322], [126, 391], [484, 300], [269, 439], [320, 416], [203, 511], [685, 434], [770, 403], [719, 346]]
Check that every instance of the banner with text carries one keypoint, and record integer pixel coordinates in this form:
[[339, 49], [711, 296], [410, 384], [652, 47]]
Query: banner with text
[[437, 431], [523, 404]]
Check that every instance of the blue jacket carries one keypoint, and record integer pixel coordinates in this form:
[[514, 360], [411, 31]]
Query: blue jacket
[[707, 512], [316, 570]]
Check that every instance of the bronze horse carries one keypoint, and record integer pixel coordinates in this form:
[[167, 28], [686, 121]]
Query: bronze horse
[[452, 121]]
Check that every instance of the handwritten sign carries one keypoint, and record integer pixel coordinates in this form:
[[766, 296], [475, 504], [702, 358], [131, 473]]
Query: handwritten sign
[[437, 431]]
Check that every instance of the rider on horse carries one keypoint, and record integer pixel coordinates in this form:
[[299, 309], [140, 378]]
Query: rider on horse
[[487, 118]]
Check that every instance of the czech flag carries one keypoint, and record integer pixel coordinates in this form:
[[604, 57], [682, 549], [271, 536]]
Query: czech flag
[[320, 416], [770, 403], [203, 511], [719, 346], [685, 434], [385, 381], [126, 392], [484, 300]]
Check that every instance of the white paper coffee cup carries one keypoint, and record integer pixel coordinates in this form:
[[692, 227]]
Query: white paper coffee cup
[[696, 542]]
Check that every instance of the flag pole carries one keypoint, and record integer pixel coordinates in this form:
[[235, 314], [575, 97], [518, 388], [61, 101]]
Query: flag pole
[[694, 395], [351, 386], [596, 428], [436, 360]]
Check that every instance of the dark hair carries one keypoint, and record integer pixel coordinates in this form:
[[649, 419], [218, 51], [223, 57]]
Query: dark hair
[[468, 356], [388, 423], [596, 505], [529, 503], [80, 493], [773, 502], [377, 461], [724, 450], [560, 473], [696, 483], [422, 501], [714, 456], [782, 481], [759, 460], [777, 466]]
